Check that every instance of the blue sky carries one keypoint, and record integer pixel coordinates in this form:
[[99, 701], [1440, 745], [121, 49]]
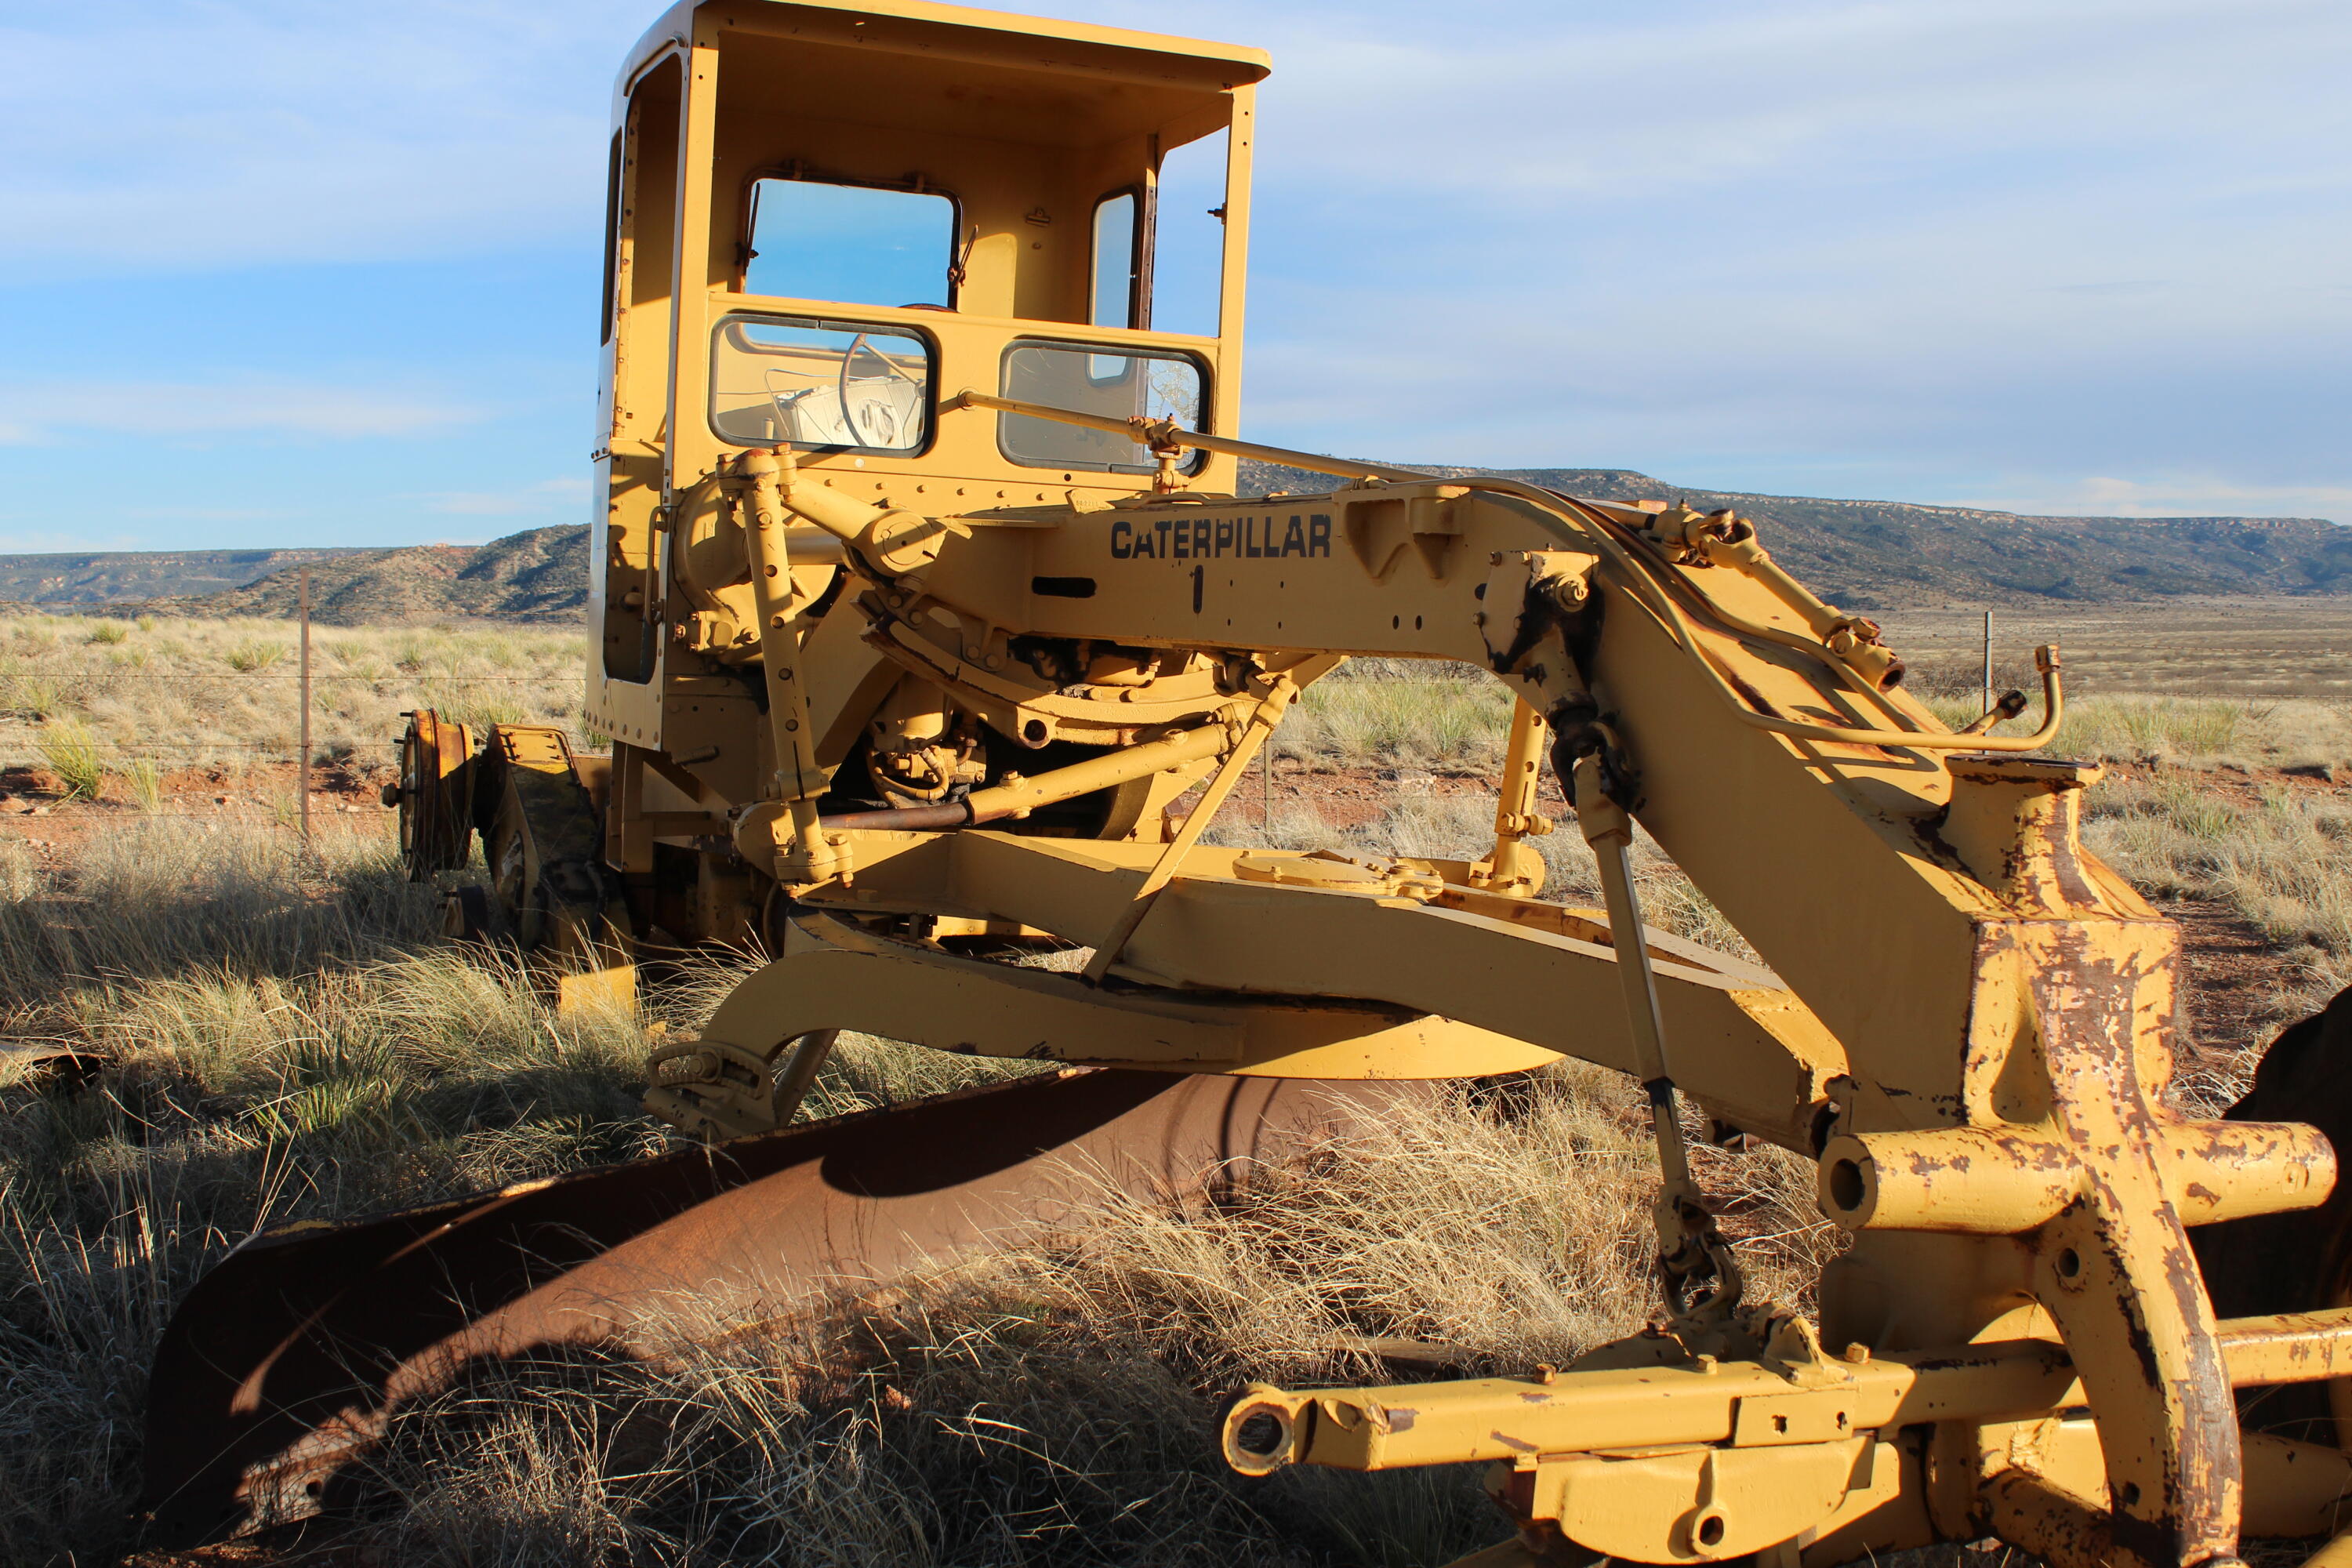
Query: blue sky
[[283, 273]]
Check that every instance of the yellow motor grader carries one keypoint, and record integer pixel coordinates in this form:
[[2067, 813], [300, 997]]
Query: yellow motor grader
[[928, 628]]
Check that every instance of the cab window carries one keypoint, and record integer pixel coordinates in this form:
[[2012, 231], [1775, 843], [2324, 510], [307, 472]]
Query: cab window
[[820, 386], [1118, 261], [1122, 384], [857, 245], [1187, 241]]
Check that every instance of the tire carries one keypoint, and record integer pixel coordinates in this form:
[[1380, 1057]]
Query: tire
[[2291, 1262]]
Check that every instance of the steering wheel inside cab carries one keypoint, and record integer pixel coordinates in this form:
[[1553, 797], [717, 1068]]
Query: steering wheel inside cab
[[878, 407], [873, 402]]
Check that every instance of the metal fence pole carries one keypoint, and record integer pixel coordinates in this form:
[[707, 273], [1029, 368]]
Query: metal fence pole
[[1988, 662], [305, 769]]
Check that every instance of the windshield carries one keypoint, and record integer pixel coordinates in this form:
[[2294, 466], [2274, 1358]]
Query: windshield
[[820, 384]]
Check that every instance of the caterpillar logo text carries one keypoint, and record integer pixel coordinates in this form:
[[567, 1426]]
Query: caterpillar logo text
[[1219, 538]]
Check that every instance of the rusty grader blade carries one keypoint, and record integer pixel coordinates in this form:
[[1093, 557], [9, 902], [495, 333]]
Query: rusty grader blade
[[281, 1368]]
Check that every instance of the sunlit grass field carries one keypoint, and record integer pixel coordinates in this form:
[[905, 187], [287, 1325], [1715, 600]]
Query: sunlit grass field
[[115, 707], [283, 1037]]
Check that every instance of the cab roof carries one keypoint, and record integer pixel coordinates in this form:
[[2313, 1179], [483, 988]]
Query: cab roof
[[926, 27]]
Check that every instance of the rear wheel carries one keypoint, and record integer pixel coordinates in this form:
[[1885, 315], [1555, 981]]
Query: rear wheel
[[435, 795], [2303, 1261]]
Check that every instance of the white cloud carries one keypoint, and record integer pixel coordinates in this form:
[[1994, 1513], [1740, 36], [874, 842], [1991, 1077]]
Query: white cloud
[[547, 496], [1785, 241], [132, 408], [2184, 495]]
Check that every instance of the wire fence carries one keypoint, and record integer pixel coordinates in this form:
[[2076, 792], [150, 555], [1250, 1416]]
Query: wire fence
[[101, 678], [40, 733]]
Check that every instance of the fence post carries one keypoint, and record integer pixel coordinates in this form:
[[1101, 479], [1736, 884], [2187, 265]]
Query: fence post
[[1987, 664], [304, 776]]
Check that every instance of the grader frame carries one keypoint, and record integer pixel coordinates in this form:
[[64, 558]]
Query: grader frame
[[893, 707]]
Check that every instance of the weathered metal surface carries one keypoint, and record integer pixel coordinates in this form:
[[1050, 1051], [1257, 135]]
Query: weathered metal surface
[[1998, 1180], [281, 1367], [2114, 1266]]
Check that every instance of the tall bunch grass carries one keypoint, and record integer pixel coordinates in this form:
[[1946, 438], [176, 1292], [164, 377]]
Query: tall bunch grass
[[1394, 712], [247, 657], [72, 753], [280, 1036]]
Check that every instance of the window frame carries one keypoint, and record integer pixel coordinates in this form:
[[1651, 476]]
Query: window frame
[[777, 318], [798, 173], [615, 162], [1235, 146], [1139, 255], [1193, 464]]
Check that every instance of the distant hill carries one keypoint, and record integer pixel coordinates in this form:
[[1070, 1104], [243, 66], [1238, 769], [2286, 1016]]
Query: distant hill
[[541, 575], [1862, 554], [115, 576], [1867, 555]]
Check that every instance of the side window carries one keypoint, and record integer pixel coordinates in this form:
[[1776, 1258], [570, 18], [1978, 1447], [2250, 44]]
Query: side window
[[1118, 382], [611, 232], [1118, 261], [822, 386], [1188, 242], [855, 243]]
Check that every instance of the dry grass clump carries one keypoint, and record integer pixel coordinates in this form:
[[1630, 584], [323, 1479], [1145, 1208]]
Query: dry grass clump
[[72, 753], [224, 694]]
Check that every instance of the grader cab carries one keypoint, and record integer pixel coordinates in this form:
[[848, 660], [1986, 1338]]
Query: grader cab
[[923, 605]]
